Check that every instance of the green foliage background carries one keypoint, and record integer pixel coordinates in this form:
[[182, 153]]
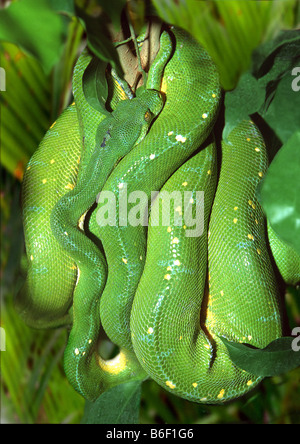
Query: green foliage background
[[39, 46]]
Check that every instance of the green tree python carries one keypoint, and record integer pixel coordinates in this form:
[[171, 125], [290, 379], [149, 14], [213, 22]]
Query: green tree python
[[163, 296]]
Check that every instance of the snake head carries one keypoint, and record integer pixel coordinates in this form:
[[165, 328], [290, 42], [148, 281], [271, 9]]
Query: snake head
[[148, 106]]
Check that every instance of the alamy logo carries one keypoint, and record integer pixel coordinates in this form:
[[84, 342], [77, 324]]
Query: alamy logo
[[296, 341], [296, 81], [2, 79], [2, 339], [188, 209]]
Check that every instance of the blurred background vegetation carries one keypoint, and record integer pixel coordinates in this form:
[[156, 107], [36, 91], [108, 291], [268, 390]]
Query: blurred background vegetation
[[34, 388]]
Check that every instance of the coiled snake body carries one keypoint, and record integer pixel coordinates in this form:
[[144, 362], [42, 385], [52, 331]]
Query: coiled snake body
[[162, 294]]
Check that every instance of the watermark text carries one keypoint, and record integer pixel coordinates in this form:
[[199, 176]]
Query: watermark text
[[176, 208]]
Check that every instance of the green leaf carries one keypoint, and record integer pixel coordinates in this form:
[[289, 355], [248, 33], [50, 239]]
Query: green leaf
[[113, 8], [64, 6], [36, 28], [277, 358], [230, 30], [95, 86], [25, 108], [282, 47], [280, 192], [98, 42], [243, 101], [283, 113], [267, 88], [119, 405]]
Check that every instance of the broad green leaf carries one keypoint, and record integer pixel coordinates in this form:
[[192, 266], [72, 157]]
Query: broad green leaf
[[230, 30], [64, 6], [279, 357], [113, 8], [280, 192], [119, 405], [98, 42], [283, 46], [283, 113], [95, 86], [36, 28], [243, 101], [267, 88]]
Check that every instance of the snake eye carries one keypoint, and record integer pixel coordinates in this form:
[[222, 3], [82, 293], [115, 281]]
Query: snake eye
[[147, 116]]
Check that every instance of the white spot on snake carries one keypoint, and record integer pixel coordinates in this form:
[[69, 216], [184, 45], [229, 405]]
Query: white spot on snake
[[170, 384], [169, 229], [52, 125], [194, 384], [236, 208], [260, 174], [249, 383], [177, 262], [180, 138], [184, 184], [258, 251], [209, 172], [222, 293], [204, 115], [76, 351], [221, 394], [170, 133], [248, 139], [66, 233], [141, 257], [214, 96], [70, 186], [257, 149], [150, 330], [152, 156], [52, 161], [191, 200], [121, 185], [124, 260], [167, 277], [250, 237], [235, 220], [175, 240], [31, 258], [90, 341], [44, 181]]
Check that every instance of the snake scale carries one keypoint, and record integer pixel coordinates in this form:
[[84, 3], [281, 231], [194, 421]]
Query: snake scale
[[164, 293]]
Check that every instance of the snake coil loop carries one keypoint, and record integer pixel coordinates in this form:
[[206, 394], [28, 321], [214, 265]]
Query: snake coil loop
[[165, 295]]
